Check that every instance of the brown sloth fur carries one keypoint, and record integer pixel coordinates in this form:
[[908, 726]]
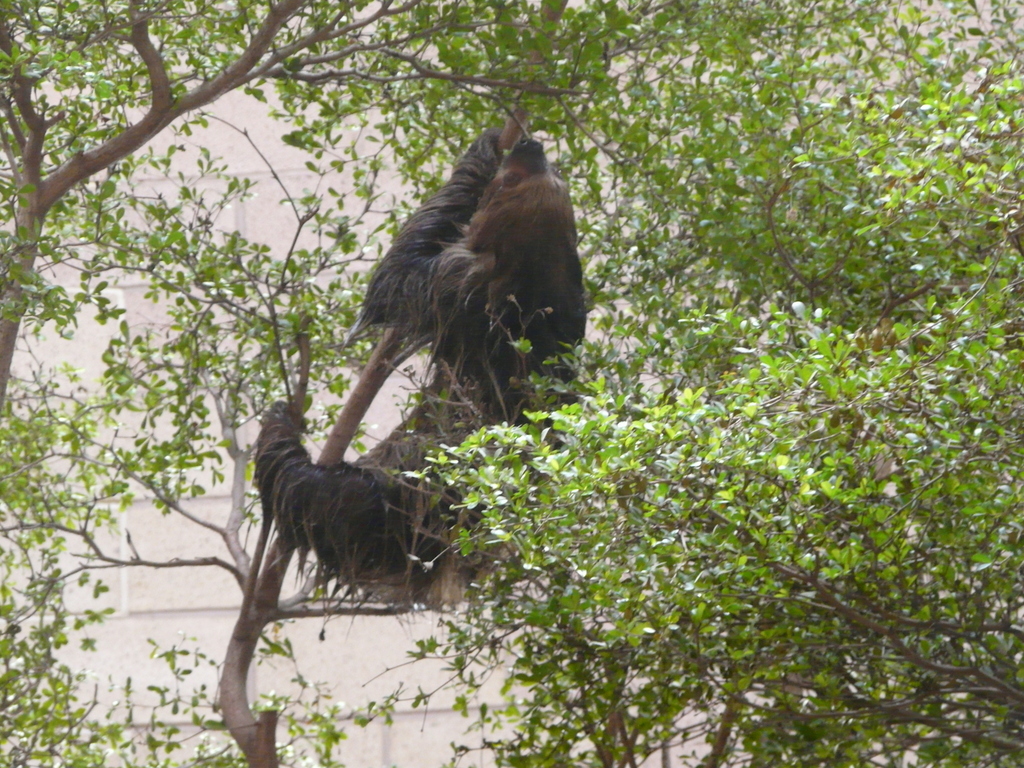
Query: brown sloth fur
[[488, 260]]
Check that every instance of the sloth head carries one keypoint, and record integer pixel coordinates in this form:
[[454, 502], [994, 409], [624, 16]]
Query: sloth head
[[524, 230], [526, 202]]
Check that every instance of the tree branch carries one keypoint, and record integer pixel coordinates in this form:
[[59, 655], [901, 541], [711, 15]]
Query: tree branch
[[996, 688], [18, 135], [259, 602], [376, 372], [159, 83], [331, 32], [32, 142], [714, 758], [337, 609], [195, 562], [164, 110], [240, 461], [476, 80]]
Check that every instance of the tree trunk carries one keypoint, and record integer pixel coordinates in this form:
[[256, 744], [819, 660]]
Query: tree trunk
[[256, 738]]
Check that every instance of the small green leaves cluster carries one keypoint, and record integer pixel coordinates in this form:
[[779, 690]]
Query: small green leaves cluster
[[825, 543]]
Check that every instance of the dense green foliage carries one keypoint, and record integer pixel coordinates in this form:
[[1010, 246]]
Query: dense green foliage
[[825, 540], [781, 525]]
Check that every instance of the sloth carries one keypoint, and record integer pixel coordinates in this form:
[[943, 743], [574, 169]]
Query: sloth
[[485, 274]]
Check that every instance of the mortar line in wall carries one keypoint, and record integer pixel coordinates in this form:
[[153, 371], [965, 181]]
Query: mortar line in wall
[[184, 613]]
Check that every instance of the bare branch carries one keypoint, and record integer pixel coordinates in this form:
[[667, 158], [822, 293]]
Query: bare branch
[[160, 85], [240, 461], [376, 372], [174, 562], [96, 553]]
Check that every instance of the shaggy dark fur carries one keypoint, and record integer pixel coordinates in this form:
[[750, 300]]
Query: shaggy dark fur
[[489, 260], [371, 530], [397, 295]]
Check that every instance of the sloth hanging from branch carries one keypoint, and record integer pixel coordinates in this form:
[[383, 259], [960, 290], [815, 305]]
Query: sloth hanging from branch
[[487, 262]]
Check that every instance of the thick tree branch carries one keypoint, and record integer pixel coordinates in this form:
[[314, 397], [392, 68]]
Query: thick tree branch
[[265, 747], [163, 110], [32, 141], [29, 213], [376, 372], [258, 606], [514, 129], [159, 83], [12, 290], [722, 735]]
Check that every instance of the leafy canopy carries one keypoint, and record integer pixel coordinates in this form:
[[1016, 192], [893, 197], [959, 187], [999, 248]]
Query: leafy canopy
[[781, 523]]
